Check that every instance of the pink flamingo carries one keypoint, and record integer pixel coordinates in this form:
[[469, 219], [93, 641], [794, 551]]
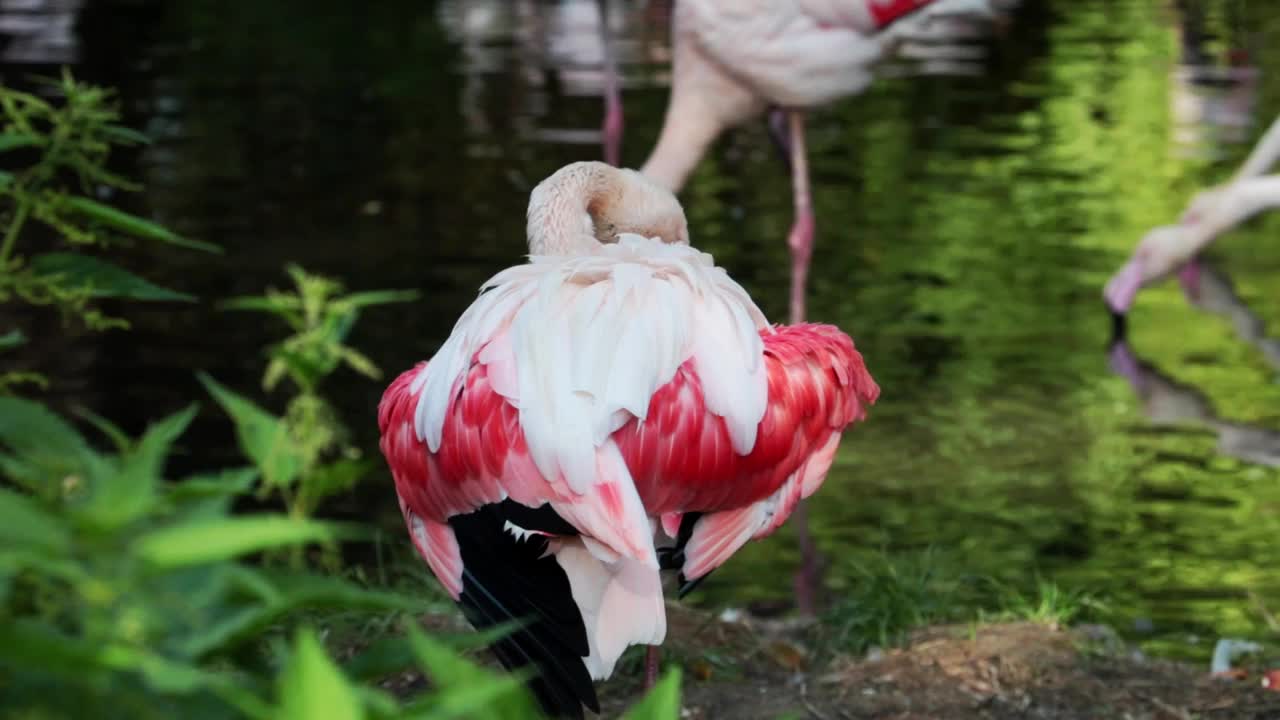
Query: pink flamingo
[[616, 406], [734, 59], [1173, 248]]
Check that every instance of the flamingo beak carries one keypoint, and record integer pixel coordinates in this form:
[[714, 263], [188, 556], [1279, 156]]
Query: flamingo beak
[[1123, 287]]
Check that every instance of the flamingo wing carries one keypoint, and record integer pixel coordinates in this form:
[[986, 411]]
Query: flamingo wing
[[491, 553], [712, 498]]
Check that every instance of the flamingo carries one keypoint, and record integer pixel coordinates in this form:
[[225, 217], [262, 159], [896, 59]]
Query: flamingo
[[615, 407], [1173, 248], [734, 59]]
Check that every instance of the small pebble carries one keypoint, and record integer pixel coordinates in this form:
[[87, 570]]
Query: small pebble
[[731, 615]]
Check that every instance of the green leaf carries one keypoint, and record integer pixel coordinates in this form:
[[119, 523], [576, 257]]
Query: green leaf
[[46, 451], [276, 304], [381, 658], [126, 135], [378, 297], [6, 179], [132, 224], [662, 702], [358, 362], [119, 439], [262, 436], [27, 644], [334, 478], [34, 647], [12, 339], [224, 483], [26, 525], [465, 690], [10, 141], [130, 493], [313, 688], [282, 594], [216, 540], [103, 279], [209, 496]]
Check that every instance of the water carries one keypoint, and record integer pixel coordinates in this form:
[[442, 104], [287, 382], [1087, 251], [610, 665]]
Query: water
[[969, 213]]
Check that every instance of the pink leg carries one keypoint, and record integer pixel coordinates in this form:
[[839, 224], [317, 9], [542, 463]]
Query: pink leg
[[1189, 277], [612, 129], [800, 241], [650, 667]]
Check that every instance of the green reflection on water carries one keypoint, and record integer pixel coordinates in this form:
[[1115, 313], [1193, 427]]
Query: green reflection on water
[[965, 227]]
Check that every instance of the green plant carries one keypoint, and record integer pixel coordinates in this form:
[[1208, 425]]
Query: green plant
[[119, 589], [892, 595], [60, 152], [305, 455], [118, 586], [1048, 604]]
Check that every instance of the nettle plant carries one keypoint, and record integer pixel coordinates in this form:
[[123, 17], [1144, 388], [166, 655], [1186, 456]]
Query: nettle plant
[[123, 588], [58, 153], [305, 455]]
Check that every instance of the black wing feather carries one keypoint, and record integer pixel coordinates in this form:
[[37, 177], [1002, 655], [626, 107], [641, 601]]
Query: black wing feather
[[505, 579]]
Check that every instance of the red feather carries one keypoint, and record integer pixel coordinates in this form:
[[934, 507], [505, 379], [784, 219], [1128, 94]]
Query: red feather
[[680, 456]]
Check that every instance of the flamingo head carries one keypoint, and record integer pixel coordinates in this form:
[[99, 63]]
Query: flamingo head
[[634, 203], [1156, 256]]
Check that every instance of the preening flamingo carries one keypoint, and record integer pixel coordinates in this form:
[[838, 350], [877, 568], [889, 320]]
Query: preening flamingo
[[615, 407], [1173, 248]]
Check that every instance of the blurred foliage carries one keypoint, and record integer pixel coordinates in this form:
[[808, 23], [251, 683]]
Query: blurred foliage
[[121, 589], [305, 455], [58, 155]]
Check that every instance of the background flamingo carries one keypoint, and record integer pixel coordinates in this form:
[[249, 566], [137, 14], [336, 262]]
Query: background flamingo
[[1173, 248], [732, 60], [616, 406]]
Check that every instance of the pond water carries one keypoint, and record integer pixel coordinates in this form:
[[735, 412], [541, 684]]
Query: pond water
[[969, 213]]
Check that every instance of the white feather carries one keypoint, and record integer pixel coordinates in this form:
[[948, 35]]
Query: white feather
[[591, 337]]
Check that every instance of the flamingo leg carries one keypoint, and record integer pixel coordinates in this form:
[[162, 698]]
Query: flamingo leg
[[650, 667], [800, 242], [1189, 278], [612, 129]]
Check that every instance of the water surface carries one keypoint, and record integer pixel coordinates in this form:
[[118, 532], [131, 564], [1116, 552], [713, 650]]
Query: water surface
[[969, 213]]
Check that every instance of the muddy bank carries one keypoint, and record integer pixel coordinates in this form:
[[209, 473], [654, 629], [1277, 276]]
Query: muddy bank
[[753, 670]]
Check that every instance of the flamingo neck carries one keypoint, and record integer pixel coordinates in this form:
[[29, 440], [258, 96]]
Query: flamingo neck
[[1264, 154], [586, 204], [704, 101], [1240, 201], [688, 130]]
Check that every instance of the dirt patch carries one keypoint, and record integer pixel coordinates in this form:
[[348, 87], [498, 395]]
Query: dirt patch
[[758, 669], [752, 670]]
